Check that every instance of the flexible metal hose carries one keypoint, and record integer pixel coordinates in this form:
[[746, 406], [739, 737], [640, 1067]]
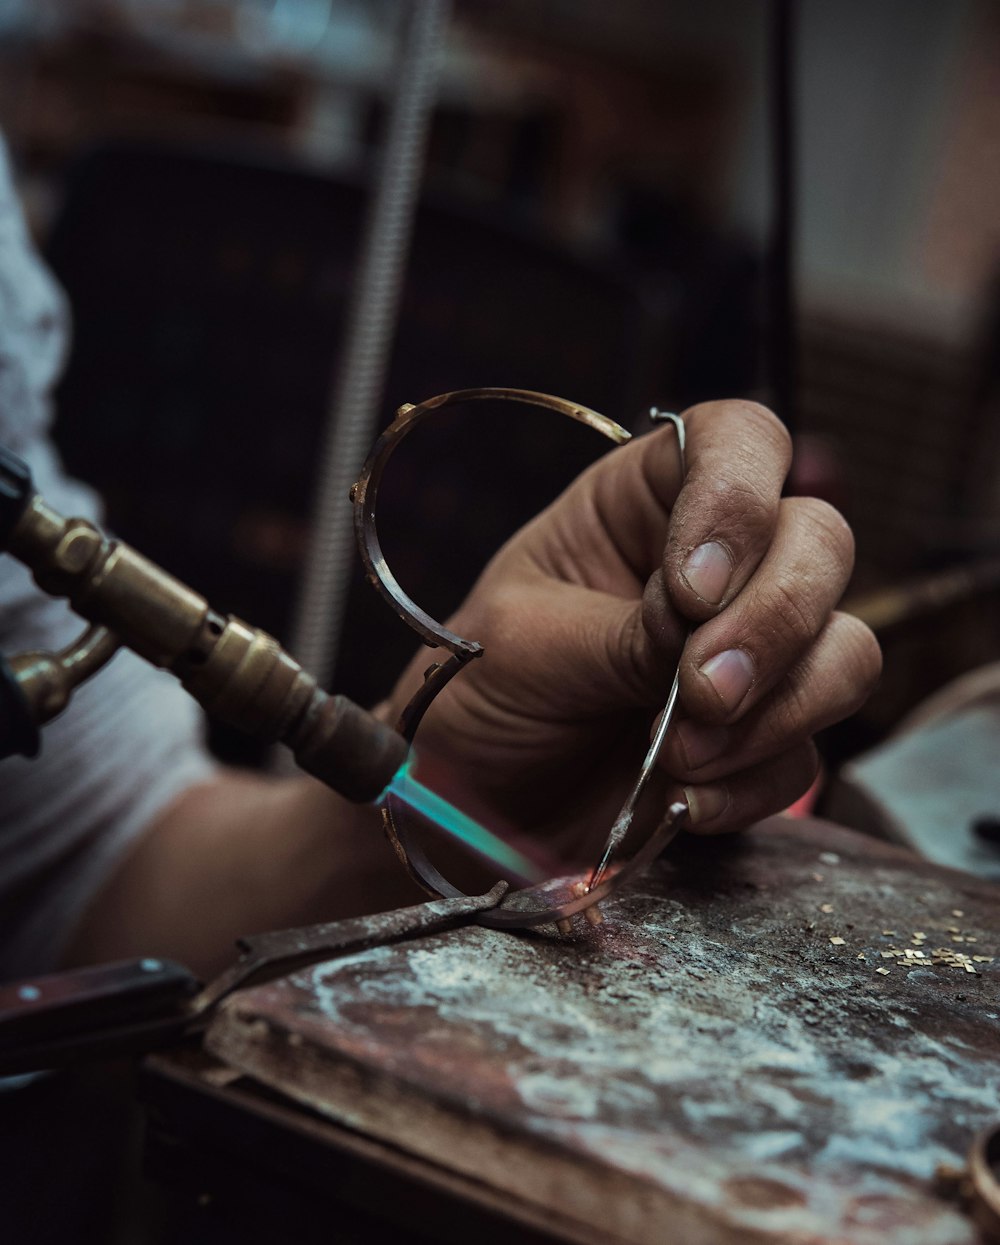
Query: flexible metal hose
[[371, 324]]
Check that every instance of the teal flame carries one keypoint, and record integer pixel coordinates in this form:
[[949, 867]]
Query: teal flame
[[458, 824]]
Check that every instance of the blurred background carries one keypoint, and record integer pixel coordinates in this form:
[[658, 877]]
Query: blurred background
[[624, 204], [612, 199]]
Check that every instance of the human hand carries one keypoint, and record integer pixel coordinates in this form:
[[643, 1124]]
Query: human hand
[[583, 615]]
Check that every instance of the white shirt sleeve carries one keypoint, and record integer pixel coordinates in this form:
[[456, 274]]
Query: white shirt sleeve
[[131, 740]]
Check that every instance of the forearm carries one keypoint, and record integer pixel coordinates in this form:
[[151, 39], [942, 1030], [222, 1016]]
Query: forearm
[[238, 855]]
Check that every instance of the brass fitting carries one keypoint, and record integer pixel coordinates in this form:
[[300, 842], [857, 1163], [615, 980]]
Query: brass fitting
[[238, 673]]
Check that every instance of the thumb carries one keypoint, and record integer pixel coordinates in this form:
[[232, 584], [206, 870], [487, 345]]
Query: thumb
[[580, 651]]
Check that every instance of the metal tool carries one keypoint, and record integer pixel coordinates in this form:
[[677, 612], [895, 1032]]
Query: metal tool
[[141, 1005], [239, 673], [623, 822], [536, 905]]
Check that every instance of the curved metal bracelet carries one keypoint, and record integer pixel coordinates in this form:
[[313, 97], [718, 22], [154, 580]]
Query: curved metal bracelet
[[517, 910]]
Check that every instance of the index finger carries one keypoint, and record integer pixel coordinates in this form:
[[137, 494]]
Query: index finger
[[738, 454]]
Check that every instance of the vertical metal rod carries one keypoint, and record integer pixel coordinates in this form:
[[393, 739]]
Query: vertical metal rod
[[782, 344], [623, 822], [371, 324]]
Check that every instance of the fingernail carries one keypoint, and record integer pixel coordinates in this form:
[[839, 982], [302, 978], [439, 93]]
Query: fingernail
[[708, 571], [706, 803], [701, 744], [730, 674]]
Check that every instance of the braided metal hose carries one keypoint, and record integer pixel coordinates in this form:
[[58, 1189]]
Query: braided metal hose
[[371, 324]]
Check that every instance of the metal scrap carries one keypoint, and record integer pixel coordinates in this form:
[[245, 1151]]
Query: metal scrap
[[942, 956]]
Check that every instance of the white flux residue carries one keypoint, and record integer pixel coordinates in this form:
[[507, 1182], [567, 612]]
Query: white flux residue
[[690, 1062]]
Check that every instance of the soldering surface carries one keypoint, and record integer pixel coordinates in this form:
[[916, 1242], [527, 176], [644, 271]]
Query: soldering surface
[[726, 1051]]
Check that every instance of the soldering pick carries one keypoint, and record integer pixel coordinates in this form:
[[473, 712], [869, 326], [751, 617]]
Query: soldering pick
[[624, 819]]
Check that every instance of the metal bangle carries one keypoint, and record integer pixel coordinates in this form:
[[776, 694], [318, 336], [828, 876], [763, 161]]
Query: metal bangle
[[533, 905]]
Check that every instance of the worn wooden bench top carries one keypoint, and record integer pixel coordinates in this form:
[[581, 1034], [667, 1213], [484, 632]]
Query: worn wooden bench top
[[777, 1039]]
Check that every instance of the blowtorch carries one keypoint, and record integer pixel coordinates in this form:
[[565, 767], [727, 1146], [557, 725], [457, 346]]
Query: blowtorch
[[237, 672], [242, 676]]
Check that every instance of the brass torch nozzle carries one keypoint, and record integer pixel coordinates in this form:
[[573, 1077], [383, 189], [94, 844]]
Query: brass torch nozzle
[[238, 673]]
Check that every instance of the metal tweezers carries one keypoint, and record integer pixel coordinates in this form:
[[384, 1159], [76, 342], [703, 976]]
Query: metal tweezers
[[143, 1005]]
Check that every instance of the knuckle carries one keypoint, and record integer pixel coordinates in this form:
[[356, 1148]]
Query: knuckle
[[793, 615], [745, 500], [695, 416], [862, 658], [758, 418], [827, 526], [738, 513], [791, 717], [732, 491], [814, 694], [767, 425]]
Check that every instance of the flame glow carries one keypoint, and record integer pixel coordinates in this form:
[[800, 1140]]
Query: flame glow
[[458, 824]]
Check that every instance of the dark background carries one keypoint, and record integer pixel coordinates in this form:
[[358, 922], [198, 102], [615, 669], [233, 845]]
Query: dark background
[[597, 221]]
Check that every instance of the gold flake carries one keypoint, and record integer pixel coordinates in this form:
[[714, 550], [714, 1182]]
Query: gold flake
[[826, 907], [887, 955], [883, 971], [817, 877], [957, 938], [919, 933], [957, 912], [861, 955], [983, 959], [968, 968], [968, 939], [890, 933], [953, 929], [838, 942]]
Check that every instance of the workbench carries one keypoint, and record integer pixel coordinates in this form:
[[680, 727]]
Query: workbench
[[777, 1038]]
